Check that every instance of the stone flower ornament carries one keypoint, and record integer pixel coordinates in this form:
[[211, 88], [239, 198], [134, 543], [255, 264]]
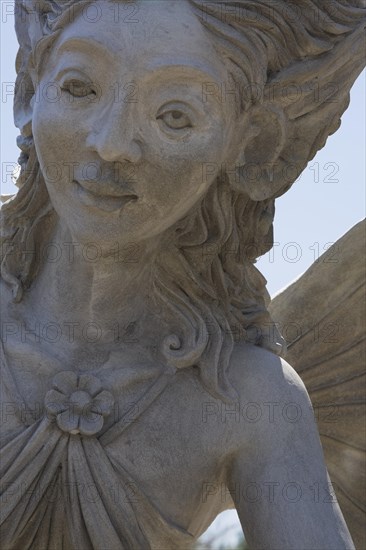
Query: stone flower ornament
[[78, 403]]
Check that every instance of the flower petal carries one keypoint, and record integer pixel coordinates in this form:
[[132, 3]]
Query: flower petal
[[91, 425], [55, 402], [68, 422], [103, 403], [65, 382], [90, 384]]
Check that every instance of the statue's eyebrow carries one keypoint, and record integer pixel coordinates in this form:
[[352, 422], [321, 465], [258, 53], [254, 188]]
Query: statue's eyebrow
[[184, 69], [85, 44], [180, 65]]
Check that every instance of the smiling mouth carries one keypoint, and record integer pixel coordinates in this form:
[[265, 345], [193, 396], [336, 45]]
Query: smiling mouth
[[104, 195]]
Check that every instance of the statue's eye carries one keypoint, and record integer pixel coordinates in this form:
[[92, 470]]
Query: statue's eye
[[78, 88], [176, 120]]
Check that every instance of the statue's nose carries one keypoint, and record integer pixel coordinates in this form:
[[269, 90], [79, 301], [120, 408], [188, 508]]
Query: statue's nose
[[114, 139]]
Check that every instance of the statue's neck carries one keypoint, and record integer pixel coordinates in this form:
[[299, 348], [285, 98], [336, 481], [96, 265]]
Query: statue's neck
[[90, 285]]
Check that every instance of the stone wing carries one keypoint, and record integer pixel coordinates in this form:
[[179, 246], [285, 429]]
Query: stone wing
[[322, 316]]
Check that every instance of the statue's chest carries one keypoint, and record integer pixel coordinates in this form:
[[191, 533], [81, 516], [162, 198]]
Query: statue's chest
[[152, 425], [176, 453], [37, 381]]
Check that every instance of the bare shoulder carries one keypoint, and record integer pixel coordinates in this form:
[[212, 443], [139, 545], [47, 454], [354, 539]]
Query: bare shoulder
[[256, 372], [273, 403]]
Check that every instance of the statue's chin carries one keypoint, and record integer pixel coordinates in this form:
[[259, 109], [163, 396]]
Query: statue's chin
[[107, 228]]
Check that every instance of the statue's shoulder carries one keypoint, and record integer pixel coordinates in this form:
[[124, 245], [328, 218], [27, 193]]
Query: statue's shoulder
[[271, 395], [255, 371]]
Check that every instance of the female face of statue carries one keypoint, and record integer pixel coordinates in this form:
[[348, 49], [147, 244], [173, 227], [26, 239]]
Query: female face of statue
[[123, 131]]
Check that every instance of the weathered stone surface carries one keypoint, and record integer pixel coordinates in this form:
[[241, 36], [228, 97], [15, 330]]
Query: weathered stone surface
[[135, 345], [323, 314]]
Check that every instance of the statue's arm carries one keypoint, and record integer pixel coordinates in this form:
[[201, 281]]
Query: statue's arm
[[278, 477]]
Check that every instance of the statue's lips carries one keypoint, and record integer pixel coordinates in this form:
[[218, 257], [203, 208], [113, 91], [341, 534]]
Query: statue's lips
[[104, 188], [104, 195]]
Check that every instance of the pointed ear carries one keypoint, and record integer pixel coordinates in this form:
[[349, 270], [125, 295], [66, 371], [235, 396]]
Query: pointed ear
[[282, 135], [263, 143]]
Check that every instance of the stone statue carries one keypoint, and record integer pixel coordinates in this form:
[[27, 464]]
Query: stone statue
[[326, 345], [137, 347]]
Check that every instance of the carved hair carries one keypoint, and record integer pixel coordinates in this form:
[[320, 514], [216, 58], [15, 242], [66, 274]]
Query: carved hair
[[211, 290]]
